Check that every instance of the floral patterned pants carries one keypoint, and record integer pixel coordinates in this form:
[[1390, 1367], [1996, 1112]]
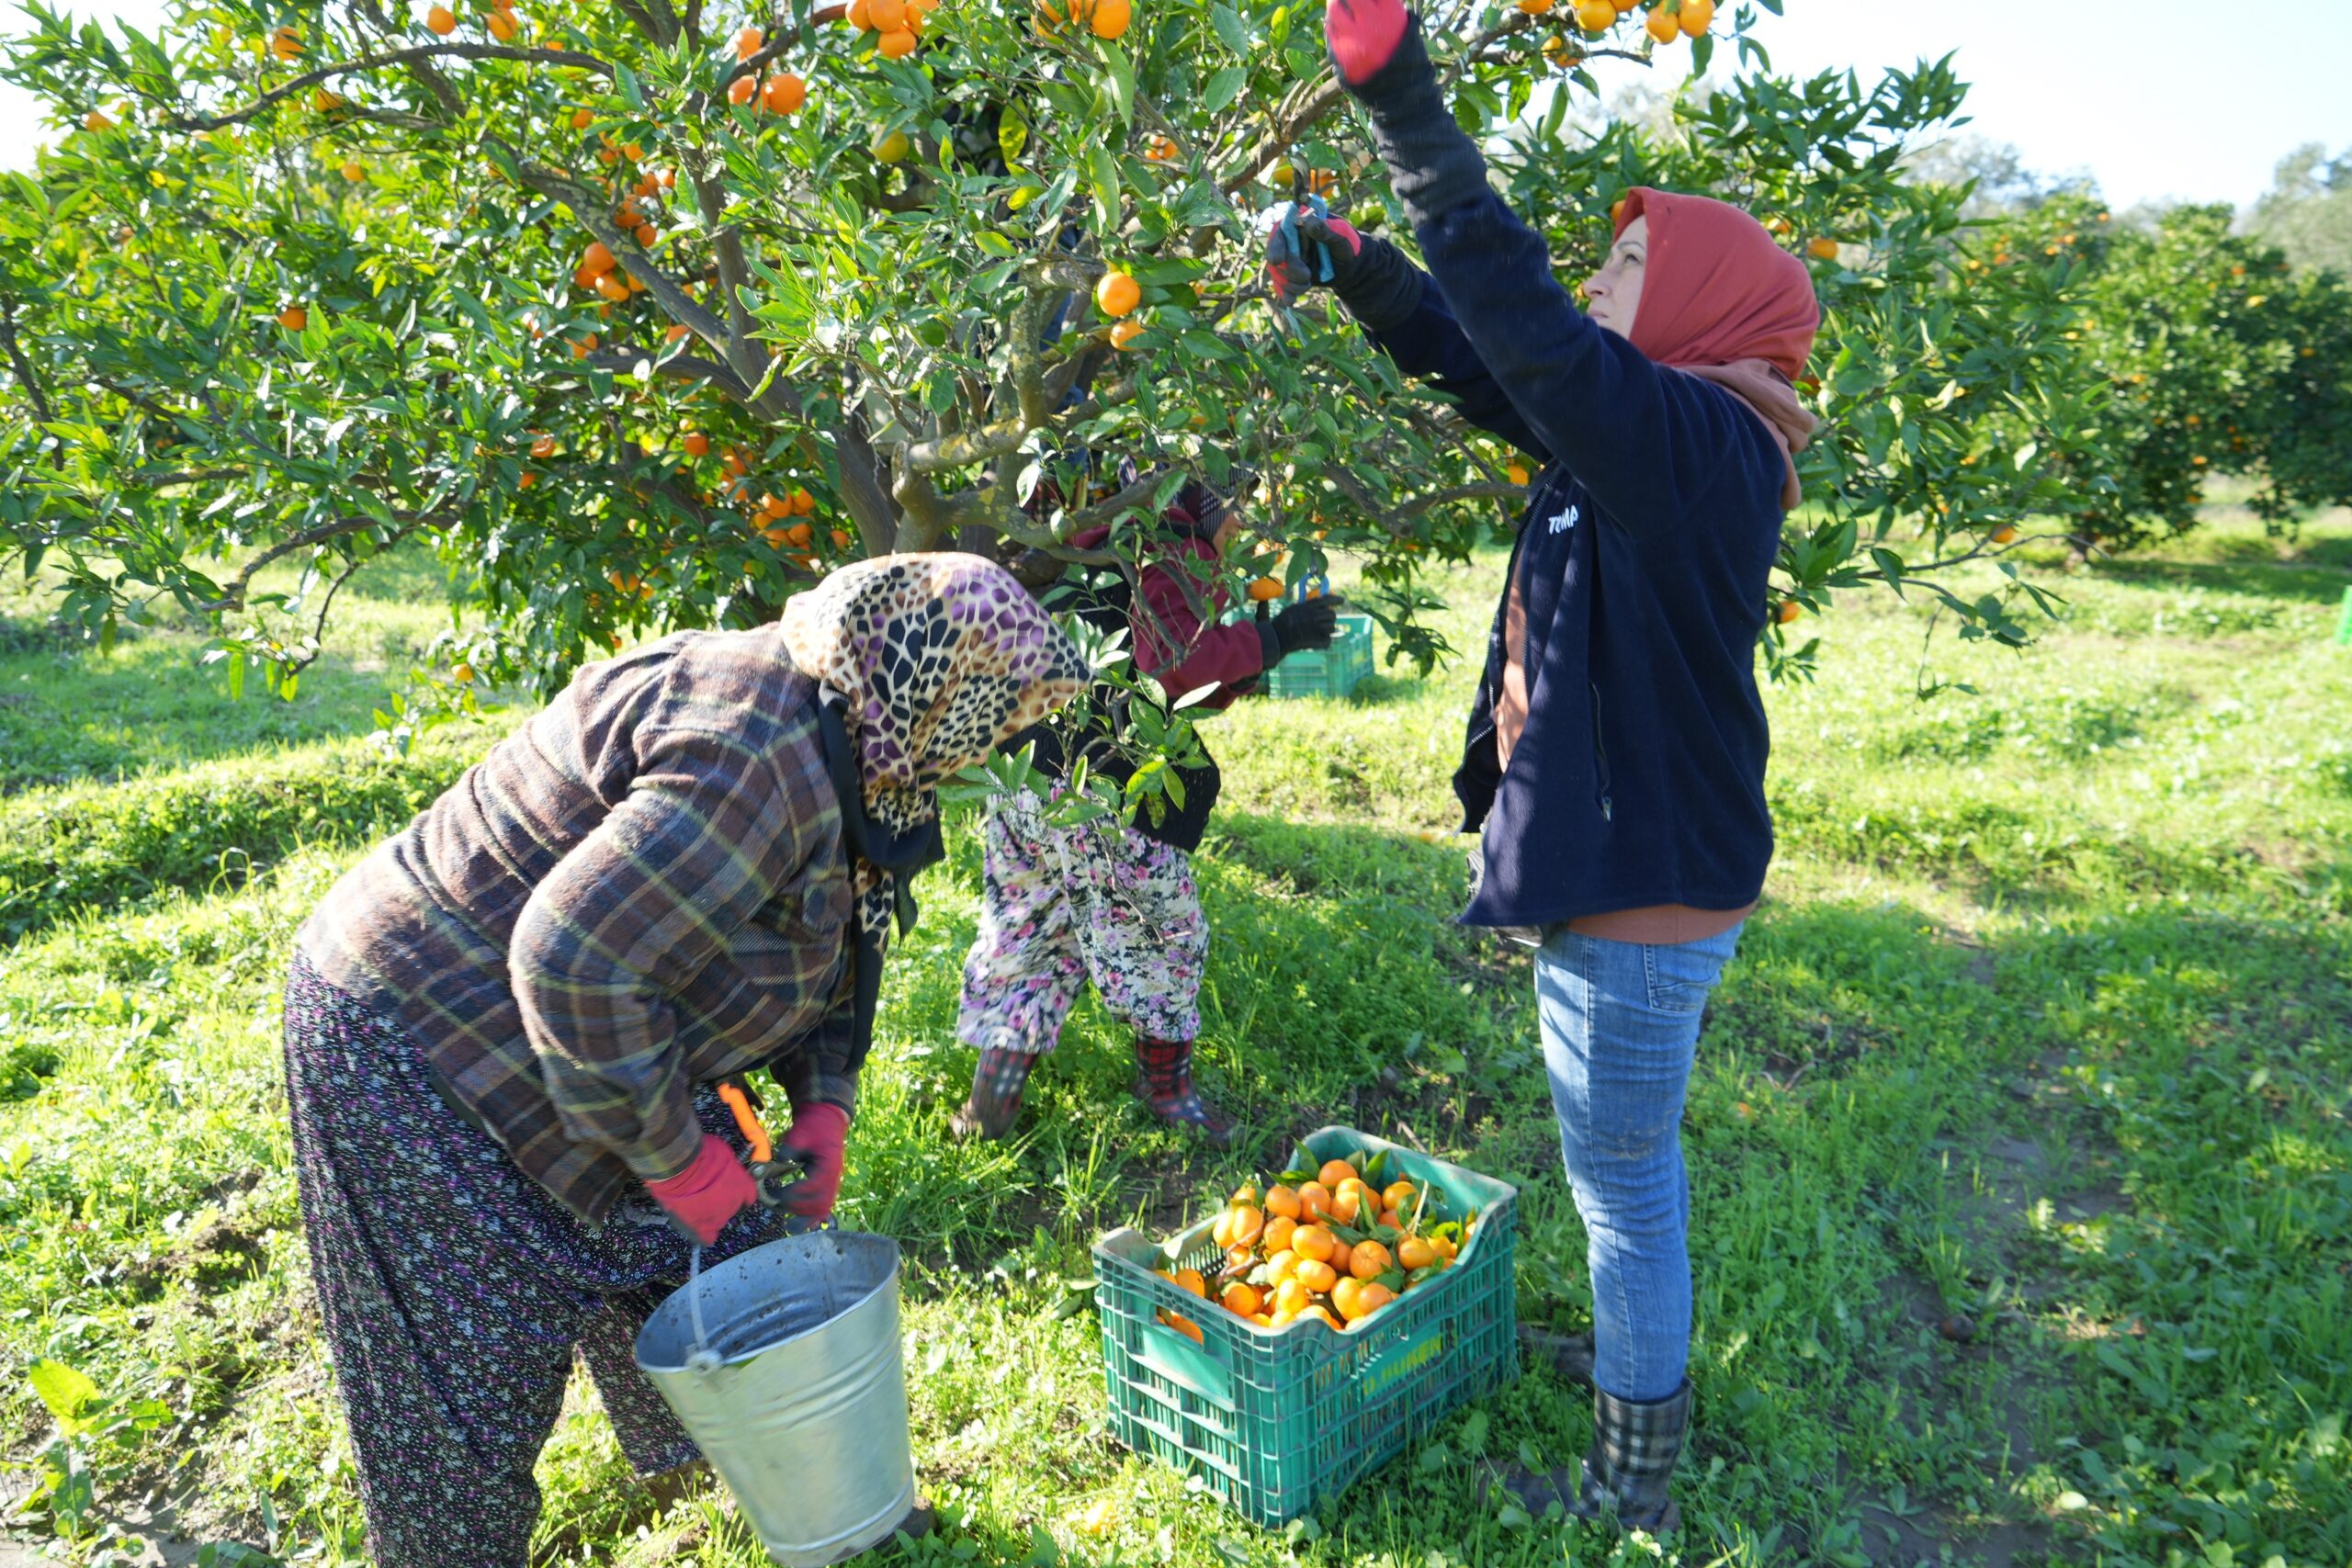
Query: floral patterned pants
[[1061, 906], [455, 1291]]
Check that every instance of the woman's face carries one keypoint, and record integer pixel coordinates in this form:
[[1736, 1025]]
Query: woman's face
[[1613, 294]]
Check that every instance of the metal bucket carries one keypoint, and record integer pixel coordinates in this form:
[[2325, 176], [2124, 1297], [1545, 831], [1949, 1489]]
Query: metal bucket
[[804, 1413]]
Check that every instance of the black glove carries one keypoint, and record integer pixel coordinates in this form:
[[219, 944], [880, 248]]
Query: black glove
[[1311, 623]]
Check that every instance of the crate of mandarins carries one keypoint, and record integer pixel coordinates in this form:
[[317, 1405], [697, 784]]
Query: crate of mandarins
[[1307, 1331]]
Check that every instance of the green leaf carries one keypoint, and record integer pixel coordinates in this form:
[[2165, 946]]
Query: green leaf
[[1103, 176], [1120, 81], [67, 1392], [1231, 29], [1224, 88]]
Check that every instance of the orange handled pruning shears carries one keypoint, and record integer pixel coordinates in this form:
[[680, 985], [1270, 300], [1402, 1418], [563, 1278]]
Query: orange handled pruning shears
[[775, 1178]]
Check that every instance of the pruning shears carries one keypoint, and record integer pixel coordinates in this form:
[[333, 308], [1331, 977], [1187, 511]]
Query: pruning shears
[[772, 1176]]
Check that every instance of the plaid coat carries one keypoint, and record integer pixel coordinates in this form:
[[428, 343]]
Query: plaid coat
[[643, 889]]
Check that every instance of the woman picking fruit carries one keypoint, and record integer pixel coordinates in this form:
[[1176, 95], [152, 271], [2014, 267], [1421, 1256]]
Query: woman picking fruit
[[1109, 901], [504, 1028], [1616, 751]]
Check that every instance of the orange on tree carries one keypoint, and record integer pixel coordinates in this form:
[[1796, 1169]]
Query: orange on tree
[[2005, 533], [748, 42], [1534, 7], [1786, 611], [94, 120], [527, 479], [1116, 293], [1124, 333], [613, 288], [598, 258], [800, 535], [504, 27], [353, 171], [1109, 19], [1695, 16], [1822, 249], [286, 43], [1661, 25], [891, 147], [1369, 1260], [646, 235], [543, 447], [1260, 589], [582, 118], [1596, 15], [1516, 473], [802, 502], [886, 16], [896, 45], [294, 318], [785, 92], [441, 20], [858, 17], [740, 91]]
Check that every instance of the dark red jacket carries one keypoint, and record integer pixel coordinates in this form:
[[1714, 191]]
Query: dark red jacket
[[1175, 625]]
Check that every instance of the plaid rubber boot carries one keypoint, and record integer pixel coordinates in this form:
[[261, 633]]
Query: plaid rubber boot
[[1635, 1446], [997, 1086], [1164, 1082]]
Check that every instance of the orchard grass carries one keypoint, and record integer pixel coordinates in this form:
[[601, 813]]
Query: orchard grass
[[2021, 1166]]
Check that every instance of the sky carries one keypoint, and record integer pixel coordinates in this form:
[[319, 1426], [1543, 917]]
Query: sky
[[2183, 101]]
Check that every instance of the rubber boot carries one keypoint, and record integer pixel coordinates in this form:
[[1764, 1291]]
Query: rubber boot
[[1164, 1082], [1635, 1446], [997, 1083]]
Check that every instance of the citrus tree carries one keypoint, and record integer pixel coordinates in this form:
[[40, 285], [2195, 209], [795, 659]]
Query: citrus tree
[[2217, 356], [646, 314]]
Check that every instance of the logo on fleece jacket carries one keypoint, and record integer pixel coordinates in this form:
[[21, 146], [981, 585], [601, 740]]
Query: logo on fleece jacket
[[1565, 520]]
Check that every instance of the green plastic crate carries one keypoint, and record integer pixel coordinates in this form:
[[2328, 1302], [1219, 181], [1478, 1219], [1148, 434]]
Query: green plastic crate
[[1326, 672], [1276, 1420]]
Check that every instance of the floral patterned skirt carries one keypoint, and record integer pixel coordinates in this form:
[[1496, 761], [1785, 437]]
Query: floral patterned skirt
[[455, 1291]]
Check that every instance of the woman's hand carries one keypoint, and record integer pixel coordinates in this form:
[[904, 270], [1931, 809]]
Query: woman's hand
[[1304, 248], [1364, 35], [818, 1134], [707, 1193]]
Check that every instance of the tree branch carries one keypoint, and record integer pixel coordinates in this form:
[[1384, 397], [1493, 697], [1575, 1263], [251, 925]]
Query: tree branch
[[1318, 102], [1396, 522], [234, 599], [317, 638], [422, 52]]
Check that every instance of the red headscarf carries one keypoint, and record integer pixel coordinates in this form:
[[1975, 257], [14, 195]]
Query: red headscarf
[[1723, 300]]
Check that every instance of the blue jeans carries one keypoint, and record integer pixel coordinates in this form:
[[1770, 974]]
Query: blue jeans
[[1620, 1023]]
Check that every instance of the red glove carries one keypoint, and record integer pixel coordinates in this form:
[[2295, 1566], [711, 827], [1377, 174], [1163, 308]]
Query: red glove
[[817, 1135], [707, 1193], [1363, 34]]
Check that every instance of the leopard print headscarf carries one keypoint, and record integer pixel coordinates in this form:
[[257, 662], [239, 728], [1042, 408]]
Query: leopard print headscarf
[[939, 660]]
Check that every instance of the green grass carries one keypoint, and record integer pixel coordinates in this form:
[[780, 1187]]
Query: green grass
[[2046, 1024]]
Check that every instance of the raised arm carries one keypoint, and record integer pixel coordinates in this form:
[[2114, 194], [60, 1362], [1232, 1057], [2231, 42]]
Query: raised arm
[[1398, 308], [1643, 439]]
